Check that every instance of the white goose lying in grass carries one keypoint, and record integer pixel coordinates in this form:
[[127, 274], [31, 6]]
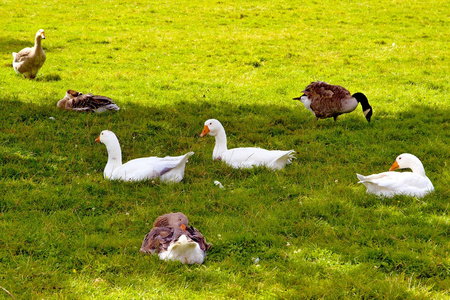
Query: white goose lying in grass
[[169, 168], [29, 60], [326, 101], [172, 239], [389, 184], [77, 101], [244, 157]]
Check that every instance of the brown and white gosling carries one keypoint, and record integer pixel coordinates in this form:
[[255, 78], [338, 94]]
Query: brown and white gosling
[[326, 101], [29, 60]]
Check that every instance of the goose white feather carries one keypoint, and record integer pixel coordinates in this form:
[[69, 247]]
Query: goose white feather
[[389, 184], [185, 250], [169, 168], [29, 60], [249, 157]]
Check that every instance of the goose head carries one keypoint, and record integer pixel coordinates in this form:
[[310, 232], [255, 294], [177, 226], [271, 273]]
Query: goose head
[[71, 94], [367, 109], [211, 127], [173, 220], [106, 137], [40, 34], [62, 103], [407, 161]]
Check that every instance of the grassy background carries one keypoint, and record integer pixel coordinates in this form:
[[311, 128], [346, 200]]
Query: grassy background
[[67, 233]]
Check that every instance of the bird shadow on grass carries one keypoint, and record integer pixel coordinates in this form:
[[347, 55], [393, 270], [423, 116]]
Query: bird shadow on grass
[[14, 45], [48, 78]]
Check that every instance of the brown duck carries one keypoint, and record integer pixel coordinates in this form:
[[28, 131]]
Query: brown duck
[[326, 100], [29, 60], [77, 101], [172, 239]]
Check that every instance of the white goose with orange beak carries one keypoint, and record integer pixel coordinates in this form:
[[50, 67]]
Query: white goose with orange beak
[[389, 184], [241, 158]]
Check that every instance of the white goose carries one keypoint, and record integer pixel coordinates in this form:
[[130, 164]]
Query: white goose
[[29, 60], [169, 168], [241, 158], [389, 184], [172, 239]]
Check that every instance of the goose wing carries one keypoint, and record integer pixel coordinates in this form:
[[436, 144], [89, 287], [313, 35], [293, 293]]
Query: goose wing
[[22, 55], [392, 183], [157, 240], [91, 102], [146, 168], [250, 157], [197, 237], [326, 99]]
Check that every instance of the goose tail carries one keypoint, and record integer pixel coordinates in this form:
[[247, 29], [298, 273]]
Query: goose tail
[[176, 173], [360, 177]]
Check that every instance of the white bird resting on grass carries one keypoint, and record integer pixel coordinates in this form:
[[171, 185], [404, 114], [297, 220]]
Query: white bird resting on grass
[[241, 158], [168, 169], [389, 184]]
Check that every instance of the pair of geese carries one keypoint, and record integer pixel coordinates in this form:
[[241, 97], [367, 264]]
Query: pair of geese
[[171, 168]]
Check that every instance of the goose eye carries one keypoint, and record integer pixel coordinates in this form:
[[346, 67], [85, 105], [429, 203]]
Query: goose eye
[[399, 158], [210, 123]]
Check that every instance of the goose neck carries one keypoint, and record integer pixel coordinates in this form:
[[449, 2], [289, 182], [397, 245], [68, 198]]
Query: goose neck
[[221, 143], [38, 42], [417, 167], [114, 153]]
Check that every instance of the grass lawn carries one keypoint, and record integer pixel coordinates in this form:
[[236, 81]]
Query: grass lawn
[[307, 231]]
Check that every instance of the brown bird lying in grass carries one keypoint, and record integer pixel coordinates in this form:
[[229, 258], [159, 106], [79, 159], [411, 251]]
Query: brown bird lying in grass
[[172, 239], [29, 60], [86, 102], [326, 101]]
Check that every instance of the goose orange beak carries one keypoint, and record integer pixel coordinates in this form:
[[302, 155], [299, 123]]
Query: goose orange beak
[[98, 139], [205, 131], [183, 227], [394, 166]]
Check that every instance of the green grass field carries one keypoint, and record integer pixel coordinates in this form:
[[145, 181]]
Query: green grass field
[[66, 233]]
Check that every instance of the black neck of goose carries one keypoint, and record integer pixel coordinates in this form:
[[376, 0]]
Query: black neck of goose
[[366, 108], [361, 98]]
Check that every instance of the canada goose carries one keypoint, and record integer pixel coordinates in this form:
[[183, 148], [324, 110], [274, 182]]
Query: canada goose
[[326, 100]]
